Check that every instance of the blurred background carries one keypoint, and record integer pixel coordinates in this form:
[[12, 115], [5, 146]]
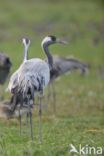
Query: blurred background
[[79, 22]]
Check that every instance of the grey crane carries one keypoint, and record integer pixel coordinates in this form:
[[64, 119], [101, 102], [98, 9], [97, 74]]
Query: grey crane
[[5, 65], [33, 76], [7, 108], [16, 99], [61, 66]]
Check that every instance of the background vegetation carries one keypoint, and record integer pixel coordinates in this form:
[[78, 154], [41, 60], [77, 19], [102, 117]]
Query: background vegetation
[[80, 100]]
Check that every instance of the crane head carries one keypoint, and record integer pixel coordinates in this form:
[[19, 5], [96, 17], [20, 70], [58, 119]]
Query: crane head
[[26, 42], [52, 40]]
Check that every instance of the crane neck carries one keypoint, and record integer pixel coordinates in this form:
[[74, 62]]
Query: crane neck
[[49, 56], [25, 53]]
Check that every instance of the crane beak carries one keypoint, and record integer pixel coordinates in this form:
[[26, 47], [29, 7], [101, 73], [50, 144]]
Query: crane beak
[[61, 41]]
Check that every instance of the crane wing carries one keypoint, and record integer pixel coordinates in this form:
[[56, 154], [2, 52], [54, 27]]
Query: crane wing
[[63, 65]]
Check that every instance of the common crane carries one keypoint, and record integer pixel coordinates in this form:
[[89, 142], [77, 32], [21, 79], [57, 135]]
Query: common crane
[[33, 76], [61, 66], [7, 109], [16, 99], [5, 65], [13, 83]]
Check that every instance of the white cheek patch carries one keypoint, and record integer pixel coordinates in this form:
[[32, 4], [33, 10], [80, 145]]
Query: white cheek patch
[[46, 39], [24, 42]]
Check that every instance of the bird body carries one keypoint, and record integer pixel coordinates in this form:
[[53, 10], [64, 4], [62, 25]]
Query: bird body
[[13, 82], [30, 74], [5, 65], [62, 65]]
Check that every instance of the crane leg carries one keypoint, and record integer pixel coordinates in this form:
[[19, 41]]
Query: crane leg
[[54, 97], [14, 104], [20, 120], [30, 115], [49, 92], [40, 117], [40, 109], [27, 116], [31, 124], [47, 98]]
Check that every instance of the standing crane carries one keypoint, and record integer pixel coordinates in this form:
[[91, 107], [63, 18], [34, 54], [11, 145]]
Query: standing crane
[[7, 108], [61, 66], [33, 76]]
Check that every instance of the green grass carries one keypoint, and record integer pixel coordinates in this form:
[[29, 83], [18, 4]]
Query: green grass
[[80, 100], [58, 134]]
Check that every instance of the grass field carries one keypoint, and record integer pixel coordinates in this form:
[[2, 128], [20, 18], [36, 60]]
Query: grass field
[[80, 99]]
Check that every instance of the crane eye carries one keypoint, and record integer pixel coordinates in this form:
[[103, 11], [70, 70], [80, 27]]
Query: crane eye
[[53, 38]]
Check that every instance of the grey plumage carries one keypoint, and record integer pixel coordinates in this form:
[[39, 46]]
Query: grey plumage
[[62, 65], [5, 65], [15, 87], [32, 76]]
